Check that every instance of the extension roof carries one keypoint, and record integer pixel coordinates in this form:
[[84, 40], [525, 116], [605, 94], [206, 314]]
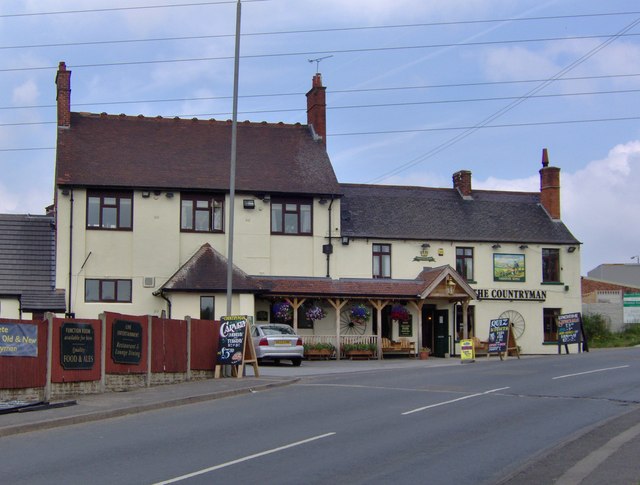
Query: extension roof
[[400, 212], [101, 150], [27, 262]]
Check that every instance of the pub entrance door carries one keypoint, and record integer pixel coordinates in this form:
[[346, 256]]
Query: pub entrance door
[[428, 317], [441, 333]]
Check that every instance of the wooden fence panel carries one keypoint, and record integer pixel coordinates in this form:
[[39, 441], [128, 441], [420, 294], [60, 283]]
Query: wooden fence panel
[[204, 344], [169, 345], [26, 372]]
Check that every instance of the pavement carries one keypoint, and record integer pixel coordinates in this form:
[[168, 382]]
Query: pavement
[[608, 452]]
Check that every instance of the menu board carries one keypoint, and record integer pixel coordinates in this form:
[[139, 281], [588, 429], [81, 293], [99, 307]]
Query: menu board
[[126, 342], [77, 346], [231, 342], [498, 335], [569, 326]]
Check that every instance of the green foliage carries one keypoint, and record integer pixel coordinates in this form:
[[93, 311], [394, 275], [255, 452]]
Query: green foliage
[[359, 346], [599, 335], [320, 346]]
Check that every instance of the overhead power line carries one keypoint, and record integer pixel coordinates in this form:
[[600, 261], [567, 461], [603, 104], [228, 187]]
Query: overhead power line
[[508, 107], [329, 91], [311, 31], [116, 9], [314, 53]]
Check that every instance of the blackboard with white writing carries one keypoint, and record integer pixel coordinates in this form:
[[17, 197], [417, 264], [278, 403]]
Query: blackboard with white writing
[[77, 349], [498, 335], [569, 326], [231, 342]]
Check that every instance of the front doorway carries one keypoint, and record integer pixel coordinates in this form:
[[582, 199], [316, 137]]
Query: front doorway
[[441, 331]]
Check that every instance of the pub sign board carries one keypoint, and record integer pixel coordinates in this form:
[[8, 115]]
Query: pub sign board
[[233, 330], [569, 328], [77, 346], [498, 335], [126, 342], [18, 340]]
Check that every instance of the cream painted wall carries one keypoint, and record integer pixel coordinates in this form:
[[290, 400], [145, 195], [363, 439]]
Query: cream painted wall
[[188, 304], [10, 308]]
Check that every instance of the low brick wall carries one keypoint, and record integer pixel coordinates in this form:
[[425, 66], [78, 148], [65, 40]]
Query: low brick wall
[[125, 382], [71, 389]]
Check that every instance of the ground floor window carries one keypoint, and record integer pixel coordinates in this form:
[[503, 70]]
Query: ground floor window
[[207, 307], [550, 319], [471, 322], [107, 290]]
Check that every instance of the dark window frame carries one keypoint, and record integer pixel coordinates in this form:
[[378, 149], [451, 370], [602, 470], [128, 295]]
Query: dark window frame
[[204, 311], [103, 206], [550, 324], [551, 265], [102, 282], [379, 255], [462, 259], [299, 203], [215, 204], [471, 322]]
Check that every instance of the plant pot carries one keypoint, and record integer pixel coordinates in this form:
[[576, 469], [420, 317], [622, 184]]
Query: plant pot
[[359, 354], [318, 354], [423, 355]]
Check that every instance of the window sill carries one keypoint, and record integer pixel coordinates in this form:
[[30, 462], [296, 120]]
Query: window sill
[[556, 283]]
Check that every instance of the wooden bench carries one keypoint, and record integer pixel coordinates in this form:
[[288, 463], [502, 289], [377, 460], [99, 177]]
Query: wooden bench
[[403, 347], [480, 347]]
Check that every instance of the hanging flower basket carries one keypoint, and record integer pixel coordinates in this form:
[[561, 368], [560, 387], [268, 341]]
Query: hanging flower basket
[[399, 312], [315, 313], [360, 313], [283, 311]]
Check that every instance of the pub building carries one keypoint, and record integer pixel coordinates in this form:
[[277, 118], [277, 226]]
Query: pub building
[[142, 227]]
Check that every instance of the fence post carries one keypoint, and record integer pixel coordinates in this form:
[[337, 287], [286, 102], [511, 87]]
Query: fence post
[[188, 320], [47, 384], [149, 348], [103, 352]]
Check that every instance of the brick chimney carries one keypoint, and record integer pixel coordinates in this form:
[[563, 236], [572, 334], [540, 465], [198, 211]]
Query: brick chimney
[[63, 97], [462, 182], [317, 108], [550, 187]]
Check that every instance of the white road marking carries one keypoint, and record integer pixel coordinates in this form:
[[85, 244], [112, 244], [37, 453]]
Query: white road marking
[[453, 400], [246, 458], [591, 372], [581, 470]]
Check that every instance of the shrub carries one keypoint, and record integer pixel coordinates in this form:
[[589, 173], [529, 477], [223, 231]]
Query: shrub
[[596, 327]]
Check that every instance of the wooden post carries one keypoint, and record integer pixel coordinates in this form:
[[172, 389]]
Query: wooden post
[[188, 320], [149, 347], [379, 305], [47, 385], [337, 305], [295, 304]]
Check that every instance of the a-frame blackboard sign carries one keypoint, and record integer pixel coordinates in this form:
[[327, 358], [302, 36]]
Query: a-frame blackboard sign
[[502, 340], [570, 331], [235, 347]]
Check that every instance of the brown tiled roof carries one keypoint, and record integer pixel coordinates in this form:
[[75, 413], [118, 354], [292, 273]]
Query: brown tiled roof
[[206, 270], [128, 151]]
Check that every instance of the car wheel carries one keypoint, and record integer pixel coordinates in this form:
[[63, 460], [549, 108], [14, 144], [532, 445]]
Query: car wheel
[[296, 362]]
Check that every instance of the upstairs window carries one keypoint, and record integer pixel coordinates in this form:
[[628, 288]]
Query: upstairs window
[[382, 260], [110, 210], [550, 265], [464, 262], [291, 217], [201, 213], [107, 291]]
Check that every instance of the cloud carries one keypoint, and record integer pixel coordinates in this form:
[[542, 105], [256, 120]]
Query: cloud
[[26, 93]]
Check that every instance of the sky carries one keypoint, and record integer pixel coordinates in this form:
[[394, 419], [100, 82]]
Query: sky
[[416, 90]]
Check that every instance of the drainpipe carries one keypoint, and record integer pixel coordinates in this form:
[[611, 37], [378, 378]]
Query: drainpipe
[[329, 251], [69, 313], [161, 294]]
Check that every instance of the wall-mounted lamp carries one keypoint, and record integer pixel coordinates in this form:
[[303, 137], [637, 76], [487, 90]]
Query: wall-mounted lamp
[[67, 192], [249, 204], [523, 246], [426, 245], [169, 195], [496, 246], [146, 194], [157, 192], [322, 201], [571, 249], [345, 240], [266, 198], [451, 285]]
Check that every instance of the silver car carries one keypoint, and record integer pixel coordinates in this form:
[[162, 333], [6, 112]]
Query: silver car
[[277, 341]]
